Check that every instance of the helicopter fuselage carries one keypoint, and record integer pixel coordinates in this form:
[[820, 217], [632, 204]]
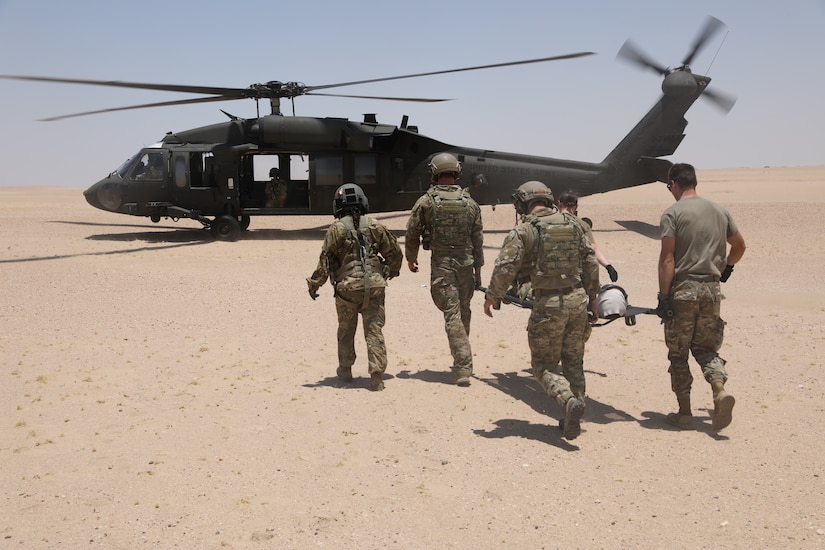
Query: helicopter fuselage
[[218, 174]]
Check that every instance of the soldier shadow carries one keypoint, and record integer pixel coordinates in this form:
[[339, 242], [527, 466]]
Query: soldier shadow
[[524, 388], [358, 383], [702, 424], [431, 376]]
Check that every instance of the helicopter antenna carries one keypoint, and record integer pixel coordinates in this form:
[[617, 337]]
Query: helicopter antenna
[[719, 49]]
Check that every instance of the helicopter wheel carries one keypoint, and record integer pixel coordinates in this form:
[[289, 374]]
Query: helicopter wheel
[[155, 217], [244, 221], [226, 228]]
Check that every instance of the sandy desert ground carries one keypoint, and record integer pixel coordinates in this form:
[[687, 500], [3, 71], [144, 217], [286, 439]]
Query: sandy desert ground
[[163, 390]]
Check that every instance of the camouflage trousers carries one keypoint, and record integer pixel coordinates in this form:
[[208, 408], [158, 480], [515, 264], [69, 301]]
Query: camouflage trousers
[[452, 289], [557, 330], [695, 328], [349, 303]]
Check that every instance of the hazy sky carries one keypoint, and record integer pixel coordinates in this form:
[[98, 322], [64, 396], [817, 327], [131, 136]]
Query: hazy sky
[[771, 57]]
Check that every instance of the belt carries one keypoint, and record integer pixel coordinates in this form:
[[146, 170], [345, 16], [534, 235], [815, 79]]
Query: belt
[[697, 278], [539, 292]]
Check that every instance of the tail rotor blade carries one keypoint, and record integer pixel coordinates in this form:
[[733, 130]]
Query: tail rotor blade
[[712, 26], [630, 53], [722, 101]]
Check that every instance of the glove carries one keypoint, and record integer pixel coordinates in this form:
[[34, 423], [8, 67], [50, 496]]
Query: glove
[[663, 309], [614, 275], [313, 293], [726, 273]]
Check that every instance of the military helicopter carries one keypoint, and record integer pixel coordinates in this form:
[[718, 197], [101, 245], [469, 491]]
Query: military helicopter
[[216, 174]]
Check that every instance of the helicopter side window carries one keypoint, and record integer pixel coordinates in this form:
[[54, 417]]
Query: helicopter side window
[[180, 173], [329, 171], [366, 172]]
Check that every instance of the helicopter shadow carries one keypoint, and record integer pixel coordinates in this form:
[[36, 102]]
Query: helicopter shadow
[[642, 228]]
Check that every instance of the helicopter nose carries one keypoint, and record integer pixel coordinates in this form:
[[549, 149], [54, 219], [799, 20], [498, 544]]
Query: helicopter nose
[[105, 195]]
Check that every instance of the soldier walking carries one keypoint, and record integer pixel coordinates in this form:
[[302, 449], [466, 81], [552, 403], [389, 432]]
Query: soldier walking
[[359, 255], [447, 221]]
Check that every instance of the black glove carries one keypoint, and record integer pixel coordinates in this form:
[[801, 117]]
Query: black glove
[[663, 309], [726, 273], [614, 275], [313, 293]]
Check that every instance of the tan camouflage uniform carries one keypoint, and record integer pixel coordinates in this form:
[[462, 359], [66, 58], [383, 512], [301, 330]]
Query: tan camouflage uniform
[[558, 321], [696, 295], [456, 245], [359, 286]]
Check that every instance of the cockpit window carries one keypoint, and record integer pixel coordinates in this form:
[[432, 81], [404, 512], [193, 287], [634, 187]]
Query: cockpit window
[[126, 166]]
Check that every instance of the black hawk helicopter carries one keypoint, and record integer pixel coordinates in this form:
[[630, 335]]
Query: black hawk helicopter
[[216, 174]]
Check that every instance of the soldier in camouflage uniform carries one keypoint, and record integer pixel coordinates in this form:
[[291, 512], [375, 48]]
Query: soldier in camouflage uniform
[[359, 254], [551, 250], [692, 263], [447, 221]]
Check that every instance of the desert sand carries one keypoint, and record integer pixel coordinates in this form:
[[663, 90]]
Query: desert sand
[[163, 390]]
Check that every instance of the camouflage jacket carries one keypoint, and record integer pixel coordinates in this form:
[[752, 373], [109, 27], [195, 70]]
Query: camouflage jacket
[[464, 241], [382, 256], [518, 257]]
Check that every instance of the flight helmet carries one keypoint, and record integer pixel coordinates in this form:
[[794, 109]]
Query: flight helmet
[[349, 196]]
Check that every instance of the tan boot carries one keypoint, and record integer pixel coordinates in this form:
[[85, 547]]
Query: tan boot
[[723, 403], [462, 377], [376, 381], [344, 374], [684, 418], [573, 412]]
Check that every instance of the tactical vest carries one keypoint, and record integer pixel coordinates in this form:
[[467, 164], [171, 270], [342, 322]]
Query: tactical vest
[[360, 251], [558, 261], [451, 220]]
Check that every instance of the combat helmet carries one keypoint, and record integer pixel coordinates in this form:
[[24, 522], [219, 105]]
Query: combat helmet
[[444, 163], [531, 191], [349, 196]]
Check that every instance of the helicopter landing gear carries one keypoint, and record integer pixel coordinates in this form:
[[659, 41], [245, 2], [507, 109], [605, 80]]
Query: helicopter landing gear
[[155, 217], [244, 221], [226, 228]]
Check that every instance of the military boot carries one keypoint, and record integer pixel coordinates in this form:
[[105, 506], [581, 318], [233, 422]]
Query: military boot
[[684, 418], [376, 381], [344, 374], [723, 403], [573, 412], [461, 377]]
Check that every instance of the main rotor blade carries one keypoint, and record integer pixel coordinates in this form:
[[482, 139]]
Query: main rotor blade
[[147, 105], [419, 99], [231, 93], [630, 53], [495, 65], [712, 26]]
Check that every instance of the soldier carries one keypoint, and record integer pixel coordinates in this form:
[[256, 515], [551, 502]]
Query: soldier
[[569, 203], [359, 255], [275, 190], [552, 251], [447, 221], [692, 263]]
